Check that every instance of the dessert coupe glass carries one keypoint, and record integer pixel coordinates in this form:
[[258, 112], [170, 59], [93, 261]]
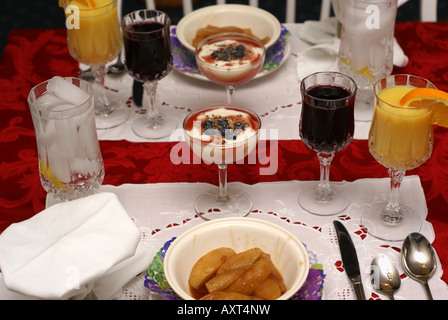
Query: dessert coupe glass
[[223, 134], [230, 59]]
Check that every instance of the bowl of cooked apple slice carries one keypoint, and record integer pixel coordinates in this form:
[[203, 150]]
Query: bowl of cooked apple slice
[[236, 259]]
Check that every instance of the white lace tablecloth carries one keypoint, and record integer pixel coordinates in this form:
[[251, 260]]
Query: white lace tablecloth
[[275, 97], [159, 218]]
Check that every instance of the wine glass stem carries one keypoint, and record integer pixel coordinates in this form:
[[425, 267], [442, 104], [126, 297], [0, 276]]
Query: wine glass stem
[[153, 117], [324, 191], [392, 212], [102, 104], [230, 94], [222, 171]]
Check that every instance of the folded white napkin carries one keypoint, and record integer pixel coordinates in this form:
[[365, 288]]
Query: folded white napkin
[[72, 248]]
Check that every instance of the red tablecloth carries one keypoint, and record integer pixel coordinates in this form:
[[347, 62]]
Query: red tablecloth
[[32, 56]]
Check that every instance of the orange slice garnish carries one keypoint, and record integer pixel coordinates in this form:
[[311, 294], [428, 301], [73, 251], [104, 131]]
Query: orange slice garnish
[[83, 3], [89, 3], [438, 99]]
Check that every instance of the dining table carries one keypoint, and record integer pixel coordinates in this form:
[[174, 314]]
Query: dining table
[[157, 181]]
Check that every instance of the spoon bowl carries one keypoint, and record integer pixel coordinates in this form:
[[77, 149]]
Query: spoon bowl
[[418, 258], [117, 67], [384, 276]]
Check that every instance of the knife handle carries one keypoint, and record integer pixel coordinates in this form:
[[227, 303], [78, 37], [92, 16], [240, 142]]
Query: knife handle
[[359, 291], [137, 93]]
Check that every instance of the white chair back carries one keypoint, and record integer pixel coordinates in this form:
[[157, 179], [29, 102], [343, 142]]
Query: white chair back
[[187, 6], [428, 8]]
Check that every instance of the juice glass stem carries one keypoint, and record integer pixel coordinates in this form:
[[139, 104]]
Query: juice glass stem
[[222, 171], [324, 190], [391, 213], [102, 105]]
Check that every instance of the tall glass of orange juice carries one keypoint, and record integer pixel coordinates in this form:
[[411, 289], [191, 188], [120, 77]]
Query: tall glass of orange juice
[[94, 38], [400, 138]]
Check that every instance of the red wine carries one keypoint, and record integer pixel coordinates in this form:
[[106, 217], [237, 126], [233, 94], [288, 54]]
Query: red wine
[[148, 50], [327, 120]]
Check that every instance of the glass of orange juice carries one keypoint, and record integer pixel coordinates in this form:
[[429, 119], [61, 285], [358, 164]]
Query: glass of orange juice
[[94, 38], [401, 138]]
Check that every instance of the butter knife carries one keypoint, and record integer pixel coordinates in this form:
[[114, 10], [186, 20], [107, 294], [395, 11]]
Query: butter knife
[[349, 259]]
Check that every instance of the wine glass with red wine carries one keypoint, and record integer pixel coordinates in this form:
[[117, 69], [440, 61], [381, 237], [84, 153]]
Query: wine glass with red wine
[[326, 126], [148, 58]]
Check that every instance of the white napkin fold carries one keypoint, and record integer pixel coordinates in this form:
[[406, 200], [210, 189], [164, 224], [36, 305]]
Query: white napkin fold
[[67, 249]]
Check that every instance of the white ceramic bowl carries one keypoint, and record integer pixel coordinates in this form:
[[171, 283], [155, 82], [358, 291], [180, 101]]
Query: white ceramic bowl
[[262, 23], [287, 253]]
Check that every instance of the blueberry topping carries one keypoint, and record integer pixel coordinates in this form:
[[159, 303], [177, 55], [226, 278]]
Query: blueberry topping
[[227, 127], [223, 123], [222, 131], [207, 124], [230, 53], [238, 126], [239, 54], [229, 50]]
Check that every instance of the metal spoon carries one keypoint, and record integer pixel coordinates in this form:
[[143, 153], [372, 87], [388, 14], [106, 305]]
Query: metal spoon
[[117, 67], [86, 74], [384, 276], [419, 261]]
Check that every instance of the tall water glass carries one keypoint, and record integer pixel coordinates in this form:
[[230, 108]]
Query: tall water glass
[[70, 161], [326, 126], [400, 138], [366, 49], [94, 38]]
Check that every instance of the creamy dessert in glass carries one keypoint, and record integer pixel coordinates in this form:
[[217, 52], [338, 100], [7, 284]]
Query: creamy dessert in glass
[[230, 59], [222, 134]]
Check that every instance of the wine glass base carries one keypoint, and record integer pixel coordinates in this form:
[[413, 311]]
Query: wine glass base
[[154, 128], [309, 201], [209, 207], [117, 117], [384, 228]]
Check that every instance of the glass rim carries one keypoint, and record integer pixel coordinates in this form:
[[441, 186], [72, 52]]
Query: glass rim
[[376, 92], [33, 89], [352, 93], [233, 34], [90, 9], [225, 105], [363, 3], [158, 13]]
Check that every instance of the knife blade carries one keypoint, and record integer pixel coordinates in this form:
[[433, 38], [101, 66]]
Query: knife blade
[[349, 259]]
